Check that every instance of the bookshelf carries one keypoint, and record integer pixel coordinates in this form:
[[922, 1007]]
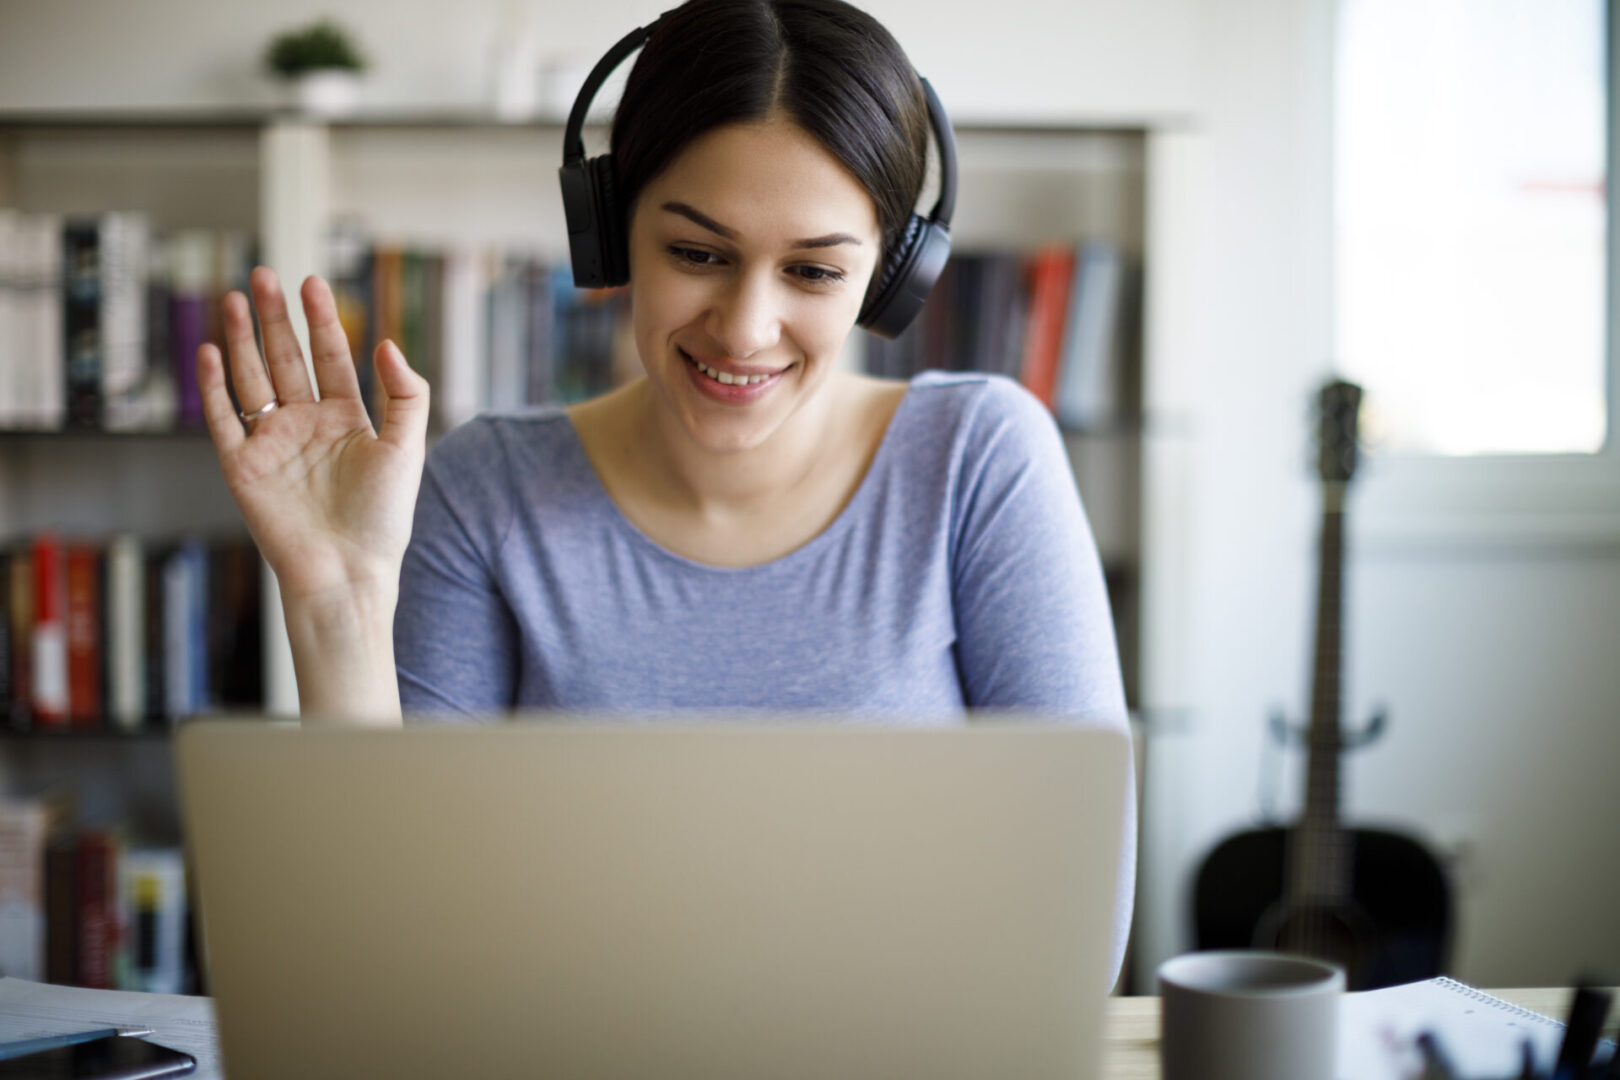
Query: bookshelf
[[433, 178]]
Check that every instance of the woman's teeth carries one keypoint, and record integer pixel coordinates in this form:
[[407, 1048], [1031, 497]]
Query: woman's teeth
[[728, 378]]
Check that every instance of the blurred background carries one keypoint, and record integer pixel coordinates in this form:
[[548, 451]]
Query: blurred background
[[1178, 219]]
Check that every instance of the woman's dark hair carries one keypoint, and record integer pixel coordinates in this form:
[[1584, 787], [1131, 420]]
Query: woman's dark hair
[[829, 67]]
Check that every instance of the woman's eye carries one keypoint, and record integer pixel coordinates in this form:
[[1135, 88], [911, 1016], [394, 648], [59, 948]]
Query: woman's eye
[[694, 256], [819, 275]]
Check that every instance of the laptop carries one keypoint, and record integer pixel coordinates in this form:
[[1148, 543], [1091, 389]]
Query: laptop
[[806, 898]]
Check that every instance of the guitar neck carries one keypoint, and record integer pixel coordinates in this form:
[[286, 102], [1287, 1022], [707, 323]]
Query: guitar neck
[[1320, 866]]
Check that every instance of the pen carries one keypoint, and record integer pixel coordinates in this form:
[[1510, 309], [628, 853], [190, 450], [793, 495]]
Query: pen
[[1585, 1025], [51, 1042], [1436, 1065]]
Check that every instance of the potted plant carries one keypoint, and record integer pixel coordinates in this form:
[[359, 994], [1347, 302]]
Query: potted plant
[[321, 64]]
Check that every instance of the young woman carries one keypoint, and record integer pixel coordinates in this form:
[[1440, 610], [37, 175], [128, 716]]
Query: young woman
[[746, 526]]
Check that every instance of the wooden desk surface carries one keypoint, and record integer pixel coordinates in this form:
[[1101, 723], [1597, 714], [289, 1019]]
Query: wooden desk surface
[[1131, 1041]]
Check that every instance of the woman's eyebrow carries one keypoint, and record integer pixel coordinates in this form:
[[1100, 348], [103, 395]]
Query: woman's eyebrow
[[700, 218]]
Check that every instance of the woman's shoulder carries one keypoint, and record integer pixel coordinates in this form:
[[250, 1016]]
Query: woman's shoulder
[[977, 408], [492, 439]]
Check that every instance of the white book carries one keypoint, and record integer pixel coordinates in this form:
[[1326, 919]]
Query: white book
[[125, 258], [23, 828], [464, 371], [126, 632], [1088, 388], [11, 357], [43, 398]]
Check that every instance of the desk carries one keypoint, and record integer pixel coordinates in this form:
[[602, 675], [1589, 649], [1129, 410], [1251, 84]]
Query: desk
[[1131, 1031]]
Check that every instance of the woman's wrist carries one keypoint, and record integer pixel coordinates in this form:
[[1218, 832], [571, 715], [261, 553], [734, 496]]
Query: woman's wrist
[[343, 655]]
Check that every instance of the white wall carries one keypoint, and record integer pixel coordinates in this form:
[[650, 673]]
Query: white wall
[[1496, 663]]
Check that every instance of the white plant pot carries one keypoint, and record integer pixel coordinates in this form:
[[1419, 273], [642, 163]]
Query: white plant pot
[[326, 93]]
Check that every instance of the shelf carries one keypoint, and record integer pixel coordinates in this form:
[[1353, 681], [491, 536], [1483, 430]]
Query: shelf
[[145, 733], [96, 434], [473, 118]]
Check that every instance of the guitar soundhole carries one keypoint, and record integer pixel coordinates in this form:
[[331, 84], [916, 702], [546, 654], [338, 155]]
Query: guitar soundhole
[[1338, 933]]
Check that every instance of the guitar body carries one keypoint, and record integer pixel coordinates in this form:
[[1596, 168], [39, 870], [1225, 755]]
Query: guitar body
[[1392, 926]]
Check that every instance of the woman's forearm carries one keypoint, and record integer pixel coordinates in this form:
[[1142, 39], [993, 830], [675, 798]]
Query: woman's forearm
[[343, 655]]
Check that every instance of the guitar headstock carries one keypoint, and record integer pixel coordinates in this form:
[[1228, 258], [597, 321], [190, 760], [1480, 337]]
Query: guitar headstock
[[1337, 406]]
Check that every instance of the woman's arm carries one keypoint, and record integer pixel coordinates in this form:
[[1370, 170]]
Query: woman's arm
[[327, 499], [1034, 630]]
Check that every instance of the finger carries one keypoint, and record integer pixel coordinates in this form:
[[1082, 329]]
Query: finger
[[284, 355], [248, 373], [405, 410], [218, 412], [328, 344]]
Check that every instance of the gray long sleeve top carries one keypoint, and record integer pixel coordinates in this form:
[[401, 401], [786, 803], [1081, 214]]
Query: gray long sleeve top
[[961, 575]]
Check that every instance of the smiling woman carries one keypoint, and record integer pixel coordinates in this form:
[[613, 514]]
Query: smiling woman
[[746, 526]]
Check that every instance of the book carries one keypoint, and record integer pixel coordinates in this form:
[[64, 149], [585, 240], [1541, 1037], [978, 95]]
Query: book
[[126, 633], [82, 314], [49, 635], [153, 885], [1050, 277], [24, 827], [21, 618], [1089, 391], [100, 932], [84, 630], [1482, 1034]]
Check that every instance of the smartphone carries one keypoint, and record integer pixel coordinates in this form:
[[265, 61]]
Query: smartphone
[[116, 1057]]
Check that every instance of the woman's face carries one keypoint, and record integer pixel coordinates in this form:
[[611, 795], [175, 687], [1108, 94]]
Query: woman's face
[[749, 257]]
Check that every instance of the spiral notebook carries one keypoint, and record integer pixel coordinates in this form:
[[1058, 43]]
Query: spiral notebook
[[1482, 1034]]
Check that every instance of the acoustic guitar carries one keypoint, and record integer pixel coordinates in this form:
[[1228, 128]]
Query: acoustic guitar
[[1375, 901]]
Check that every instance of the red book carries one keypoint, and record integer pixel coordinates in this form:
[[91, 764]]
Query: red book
[[1050, 276], [98, 909], [50, 683], [84, 635]]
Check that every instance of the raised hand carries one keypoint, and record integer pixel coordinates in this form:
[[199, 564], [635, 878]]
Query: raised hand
[[329, 501]]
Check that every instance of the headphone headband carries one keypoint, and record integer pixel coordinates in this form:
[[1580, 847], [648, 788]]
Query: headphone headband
[[597, 235]]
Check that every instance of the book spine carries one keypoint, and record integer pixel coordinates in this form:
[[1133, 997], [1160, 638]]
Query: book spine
[[84, 636], [6, 719], [98, 920], [21, 660], [124, 266], [44, 399], [83, 332], [62, 910], [1052, 271], [191, 273], [23, 830], [126, 633], [176, 637], [154, 889], [50, 681], [11, 274], [157, 700]]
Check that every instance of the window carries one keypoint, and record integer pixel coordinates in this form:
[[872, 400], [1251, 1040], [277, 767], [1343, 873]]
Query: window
[[1472, 223]]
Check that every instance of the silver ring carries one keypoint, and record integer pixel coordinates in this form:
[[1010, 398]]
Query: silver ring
[[259, 414]]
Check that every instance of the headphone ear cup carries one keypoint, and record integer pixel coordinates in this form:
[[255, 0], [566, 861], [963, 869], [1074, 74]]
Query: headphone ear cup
[[909, 274], [610, 221]]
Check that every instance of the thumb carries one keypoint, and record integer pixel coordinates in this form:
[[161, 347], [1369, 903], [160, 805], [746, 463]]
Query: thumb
[[405, 410]]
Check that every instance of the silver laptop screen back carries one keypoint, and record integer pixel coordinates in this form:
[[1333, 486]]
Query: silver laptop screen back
[[631, 901]]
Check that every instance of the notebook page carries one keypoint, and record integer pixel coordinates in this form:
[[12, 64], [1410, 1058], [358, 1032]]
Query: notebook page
[[1481, 1034]]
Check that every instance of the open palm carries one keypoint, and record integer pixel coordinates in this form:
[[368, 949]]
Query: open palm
[[328, 500]]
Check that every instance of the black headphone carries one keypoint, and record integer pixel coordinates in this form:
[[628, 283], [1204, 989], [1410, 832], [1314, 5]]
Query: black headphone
[[597, 231]]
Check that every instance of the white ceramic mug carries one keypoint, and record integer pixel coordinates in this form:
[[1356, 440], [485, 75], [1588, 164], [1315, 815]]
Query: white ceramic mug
[[1248, 1016]]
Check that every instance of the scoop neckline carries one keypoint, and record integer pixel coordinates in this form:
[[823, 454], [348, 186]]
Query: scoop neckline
[[826, 536]]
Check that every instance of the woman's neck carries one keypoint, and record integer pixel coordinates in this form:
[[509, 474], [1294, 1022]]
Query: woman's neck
[[721, 486]]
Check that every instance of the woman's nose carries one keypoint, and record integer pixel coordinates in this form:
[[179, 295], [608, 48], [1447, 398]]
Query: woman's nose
[[744, 319]]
